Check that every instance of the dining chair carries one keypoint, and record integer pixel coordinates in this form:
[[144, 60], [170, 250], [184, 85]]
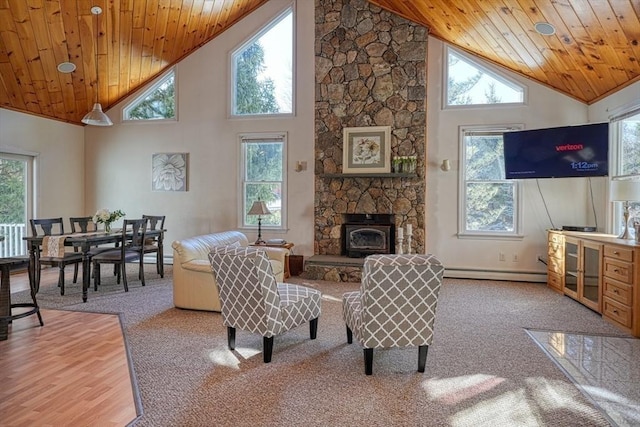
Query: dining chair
[[154, 244], [57, 256], [85, 224], [130, 250]]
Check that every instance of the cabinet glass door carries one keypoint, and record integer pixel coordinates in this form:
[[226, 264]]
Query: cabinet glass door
[[590, 295], [571, 268]]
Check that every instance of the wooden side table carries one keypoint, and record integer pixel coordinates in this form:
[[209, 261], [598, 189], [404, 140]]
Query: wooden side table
[[288, 245]]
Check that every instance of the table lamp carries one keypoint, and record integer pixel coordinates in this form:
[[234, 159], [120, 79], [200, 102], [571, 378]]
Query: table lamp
[[625, 191], [259, 208]]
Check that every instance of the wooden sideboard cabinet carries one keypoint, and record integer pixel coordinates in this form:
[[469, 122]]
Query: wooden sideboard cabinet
[[599, 271]]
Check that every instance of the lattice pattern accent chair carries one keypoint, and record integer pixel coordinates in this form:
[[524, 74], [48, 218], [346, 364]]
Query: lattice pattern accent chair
[[253, 301], [395, 306]]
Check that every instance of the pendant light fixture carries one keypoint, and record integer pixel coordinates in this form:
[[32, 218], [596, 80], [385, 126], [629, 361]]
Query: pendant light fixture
[[97, 117]]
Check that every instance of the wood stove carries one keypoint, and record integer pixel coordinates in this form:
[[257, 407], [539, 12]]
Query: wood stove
[[366, 234]]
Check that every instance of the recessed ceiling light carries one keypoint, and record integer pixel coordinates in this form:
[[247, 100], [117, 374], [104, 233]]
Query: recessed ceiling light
[[545, 28], [66, 67]]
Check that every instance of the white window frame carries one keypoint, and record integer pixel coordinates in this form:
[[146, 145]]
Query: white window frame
[[495, 74], [232, 65], [155, 85], [31, 160], [615, 160], [462, 181], [262, 137]]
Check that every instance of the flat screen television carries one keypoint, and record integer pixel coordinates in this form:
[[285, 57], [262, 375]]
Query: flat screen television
[[561, 152]]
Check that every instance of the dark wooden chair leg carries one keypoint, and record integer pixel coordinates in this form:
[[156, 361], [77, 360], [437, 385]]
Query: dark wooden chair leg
[[123, 269], [422, 357], [267, 348], [368, 361], [37, 273], [61, 278], [35, 304], [231, 337], [349, 336], [161, 260], [96, 276], [313, 328], [75, 272], [141, 271]]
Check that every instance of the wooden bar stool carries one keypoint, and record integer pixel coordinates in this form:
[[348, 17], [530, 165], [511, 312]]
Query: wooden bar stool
[[5, 298]]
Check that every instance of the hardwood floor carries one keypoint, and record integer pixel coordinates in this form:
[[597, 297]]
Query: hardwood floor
[[73, 371]]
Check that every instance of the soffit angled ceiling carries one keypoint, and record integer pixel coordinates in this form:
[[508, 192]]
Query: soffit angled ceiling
[[594, 52]]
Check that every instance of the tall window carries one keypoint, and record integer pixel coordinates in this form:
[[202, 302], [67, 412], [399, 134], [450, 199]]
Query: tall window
[[626, 160], [16, 196], [627, 140], [156, 103], [489, 202], [263, 70], [469, 83], [263, 178]]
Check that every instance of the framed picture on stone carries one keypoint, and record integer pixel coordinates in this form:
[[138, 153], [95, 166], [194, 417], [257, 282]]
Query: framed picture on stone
[[366, 150]]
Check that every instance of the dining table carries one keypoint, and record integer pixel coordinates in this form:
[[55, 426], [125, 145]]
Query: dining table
[[84, 242]]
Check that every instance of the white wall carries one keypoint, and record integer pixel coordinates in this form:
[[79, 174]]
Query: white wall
[[567, 199], [59, 160], [615, 104], [118, 173]]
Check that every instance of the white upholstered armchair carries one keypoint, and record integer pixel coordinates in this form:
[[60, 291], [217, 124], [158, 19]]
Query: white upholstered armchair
[[396, 304], [253, 301]]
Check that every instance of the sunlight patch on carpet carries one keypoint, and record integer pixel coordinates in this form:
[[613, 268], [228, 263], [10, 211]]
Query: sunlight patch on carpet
[[451, 391]]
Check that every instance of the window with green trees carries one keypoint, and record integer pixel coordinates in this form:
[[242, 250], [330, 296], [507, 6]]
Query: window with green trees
[[469, 83], [16, 195], [262, 70], [263, 177], [626, 145], [156, 103], [489, 201]]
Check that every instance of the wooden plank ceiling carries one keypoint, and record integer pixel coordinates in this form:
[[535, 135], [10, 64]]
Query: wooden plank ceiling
[[594, 52]]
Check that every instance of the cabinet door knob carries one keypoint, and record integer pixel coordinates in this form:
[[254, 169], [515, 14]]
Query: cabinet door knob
[[616, 253], [615, 311], [615, 270], [615, 291]]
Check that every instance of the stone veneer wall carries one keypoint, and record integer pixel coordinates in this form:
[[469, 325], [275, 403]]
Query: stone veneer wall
[[370, 71]]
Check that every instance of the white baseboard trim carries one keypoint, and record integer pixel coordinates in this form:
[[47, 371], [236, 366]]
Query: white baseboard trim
[[151, 259], [458, 273], [516, 276]]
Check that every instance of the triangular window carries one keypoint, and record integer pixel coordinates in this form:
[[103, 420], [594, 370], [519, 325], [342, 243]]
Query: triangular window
[[262, 70], [156, 103], [469, 83]]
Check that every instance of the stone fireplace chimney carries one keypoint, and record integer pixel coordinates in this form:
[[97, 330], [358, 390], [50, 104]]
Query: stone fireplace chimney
[[370, 71]]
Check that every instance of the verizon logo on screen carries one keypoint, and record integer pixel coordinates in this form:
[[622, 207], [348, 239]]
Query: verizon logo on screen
[[569, 147]]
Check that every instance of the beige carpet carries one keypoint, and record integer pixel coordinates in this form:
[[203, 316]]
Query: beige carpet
[[482, 368]]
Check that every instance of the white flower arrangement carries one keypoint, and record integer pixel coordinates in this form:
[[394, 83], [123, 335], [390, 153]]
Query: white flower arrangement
[[104, 216]]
